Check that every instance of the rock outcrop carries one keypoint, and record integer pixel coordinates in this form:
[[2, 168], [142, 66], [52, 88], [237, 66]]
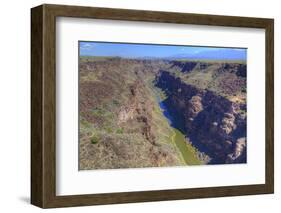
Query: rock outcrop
[[184, 66]]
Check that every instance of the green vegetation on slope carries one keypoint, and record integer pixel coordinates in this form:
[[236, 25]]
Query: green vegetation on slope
[[189, 153]]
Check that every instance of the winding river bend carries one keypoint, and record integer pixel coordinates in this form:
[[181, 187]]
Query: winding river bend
[[187, 150]]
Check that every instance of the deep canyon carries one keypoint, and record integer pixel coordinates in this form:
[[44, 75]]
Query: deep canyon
[[151, 113]]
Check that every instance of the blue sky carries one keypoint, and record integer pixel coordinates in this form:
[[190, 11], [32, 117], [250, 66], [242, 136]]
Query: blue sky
[[128, 50]]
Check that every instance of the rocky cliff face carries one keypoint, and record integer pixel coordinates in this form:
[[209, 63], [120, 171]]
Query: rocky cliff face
[[183, 66], [238, 69], [138, 108], [214, 124]]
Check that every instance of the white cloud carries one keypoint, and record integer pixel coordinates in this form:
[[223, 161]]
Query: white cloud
[[196, 50], [87, 46], [239, 50]]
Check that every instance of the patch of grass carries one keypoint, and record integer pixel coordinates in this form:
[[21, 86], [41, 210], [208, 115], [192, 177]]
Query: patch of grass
[[90, 77], [213, 60], [101, 112], [85, 123], [84, 59], [109, 130], [187, 150], [98, 111], [120, 131]]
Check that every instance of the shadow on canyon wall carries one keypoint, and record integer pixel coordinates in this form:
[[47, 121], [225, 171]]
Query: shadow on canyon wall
[[213, 123]]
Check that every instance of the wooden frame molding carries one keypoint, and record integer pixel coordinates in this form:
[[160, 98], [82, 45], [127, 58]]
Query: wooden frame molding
[[43, 105]]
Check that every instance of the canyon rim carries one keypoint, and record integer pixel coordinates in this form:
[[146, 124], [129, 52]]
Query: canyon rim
[[150, 105]]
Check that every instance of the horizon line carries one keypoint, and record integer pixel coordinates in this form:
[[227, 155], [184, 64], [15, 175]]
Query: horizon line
[[155, 57]]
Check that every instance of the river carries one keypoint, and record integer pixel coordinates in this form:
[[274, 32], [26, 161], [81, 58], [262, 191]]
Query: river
[[187, 150]]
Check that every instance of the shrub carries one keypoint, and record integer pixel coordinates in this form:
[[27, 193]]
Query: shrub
[[115, 102], [94, 139]]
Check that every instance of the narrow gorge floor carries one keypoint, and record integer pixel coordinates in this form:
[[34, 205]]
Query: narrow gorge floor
[[188, 152]]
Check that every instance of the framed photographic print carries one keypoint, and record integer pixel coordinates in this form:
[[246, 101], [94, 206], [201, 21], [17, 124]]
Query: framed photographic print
[[136, 106]]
